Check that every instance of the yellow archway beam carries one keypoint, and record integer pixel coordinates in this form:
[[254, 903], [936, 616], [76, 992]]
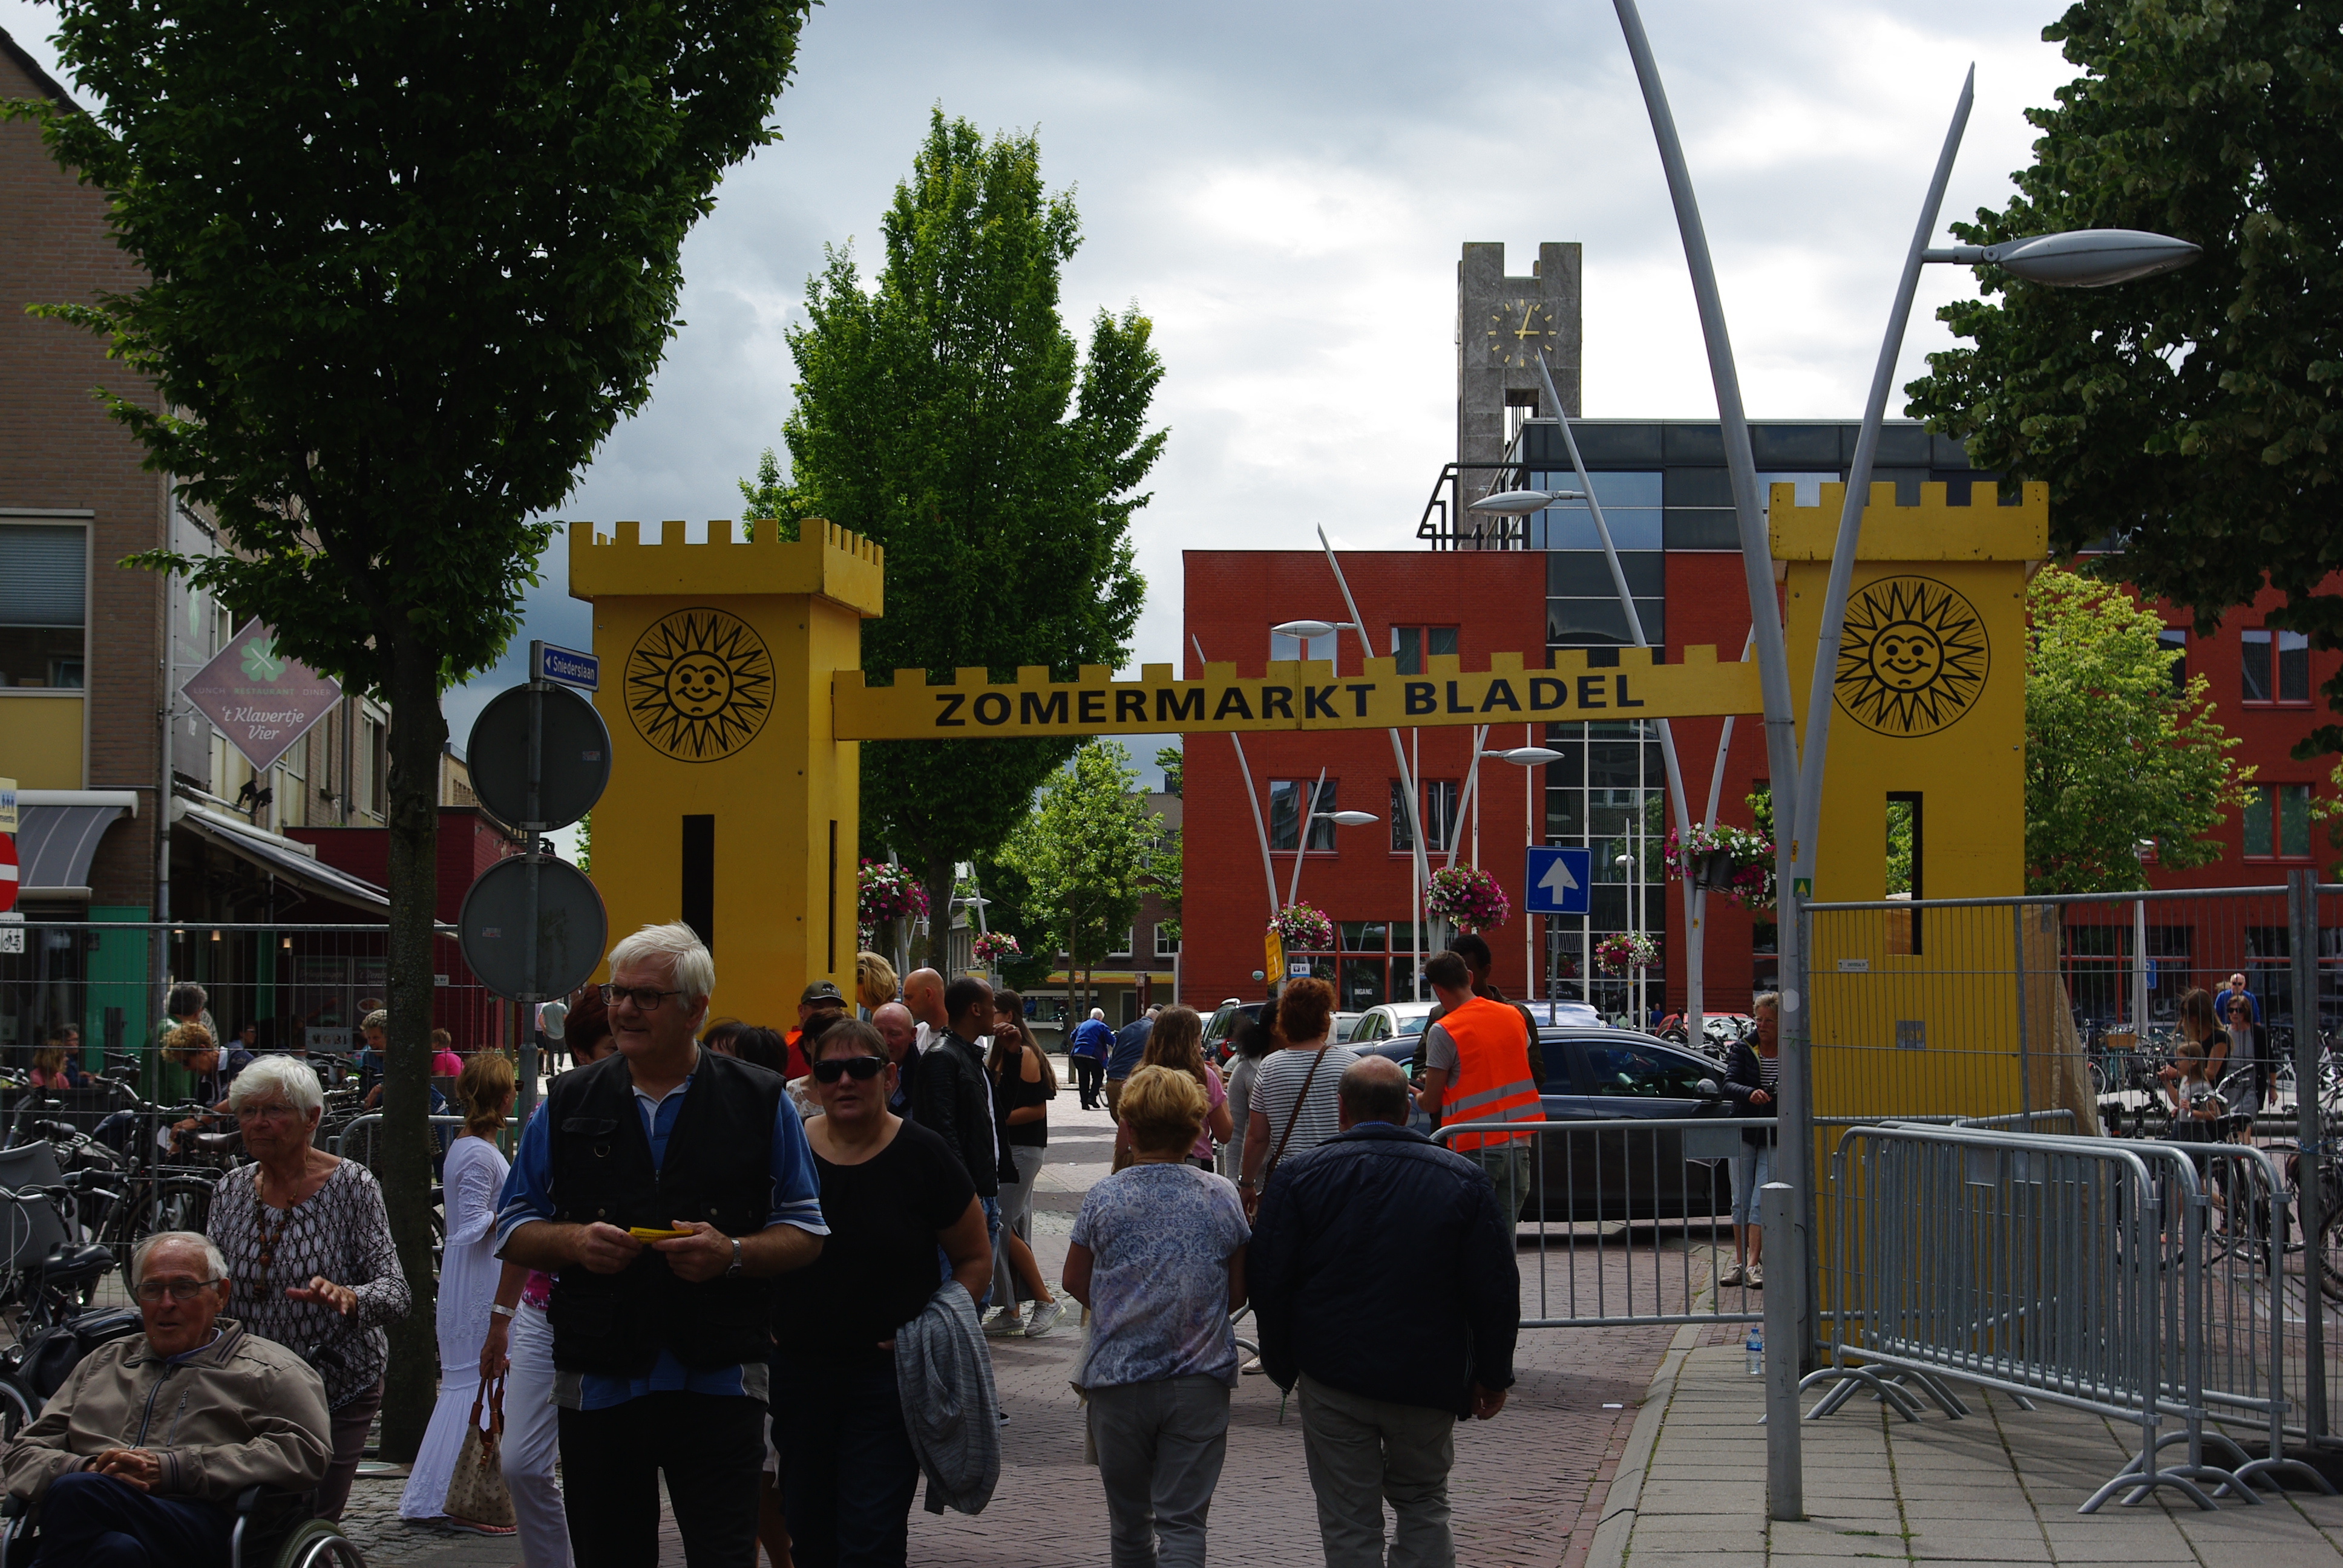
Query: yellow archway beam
[[1292, 695]]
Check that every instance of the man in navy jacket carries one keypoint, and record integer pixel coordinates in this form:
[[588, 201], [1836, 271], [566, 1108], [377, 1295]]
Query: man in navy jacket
[[1375, 1427]]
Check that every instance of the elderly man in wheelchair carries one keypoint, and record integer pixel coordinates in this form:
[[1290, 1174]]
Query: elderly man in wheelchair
[[173, 1446]]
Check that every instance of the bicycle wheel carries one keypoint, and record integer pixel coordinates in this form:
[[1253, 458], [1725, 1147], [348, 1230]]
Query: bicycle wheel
[[2330, 1254], [17, 1409]]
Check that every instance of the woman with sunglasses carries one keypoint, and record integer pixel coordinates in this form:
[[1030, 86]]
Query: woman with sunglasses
[[892, 1191], [2251, 1047], [1023, 1084]]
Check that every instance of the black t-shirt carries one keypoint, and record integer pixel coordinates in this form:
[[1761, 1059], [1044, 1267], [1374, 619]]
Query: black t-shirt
[[878, 1265], [1012, 1092]]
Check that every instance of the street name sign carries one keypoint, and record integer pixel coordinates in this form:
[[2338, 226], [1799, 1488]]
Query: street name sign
[[569, 667]]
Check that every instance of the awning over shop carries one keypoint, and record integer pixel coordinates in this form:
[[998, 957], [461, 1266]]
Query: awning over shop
[[296, 863], [57, 833]]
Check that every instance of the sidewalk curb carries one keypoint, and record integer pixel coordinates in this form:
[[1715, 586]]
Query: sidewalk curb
[[1609, 1547]]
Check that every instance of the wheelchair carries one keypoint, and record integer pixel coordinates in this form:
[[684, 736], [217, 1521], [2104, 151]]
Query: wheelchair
[[274, 1529]]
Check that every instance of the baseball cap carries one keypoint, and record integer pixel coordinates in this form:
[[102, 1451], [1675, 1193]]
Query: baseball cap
[[820, 991]]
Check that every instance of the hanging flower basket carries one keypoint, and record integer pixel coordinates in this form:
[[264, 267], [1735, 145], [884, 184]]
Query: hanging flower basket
[[1469, 897], [890, 892], [1624, 951], [1752, 854], [1303, 929], [991, 946]]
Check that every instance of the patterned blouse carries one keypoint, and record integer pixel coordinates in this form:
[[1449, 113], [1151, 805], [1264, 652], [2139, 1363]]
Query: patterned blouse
[[342, 1233]]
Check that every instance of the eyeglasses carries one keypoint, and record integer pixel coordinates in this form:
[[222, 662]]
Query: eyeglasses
[[644, 998], [863, 1068], [152, 1291]]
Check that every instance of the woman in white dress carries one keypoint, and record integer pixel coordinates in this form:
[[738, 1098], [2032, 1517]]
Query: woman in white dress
[[474, 1176]]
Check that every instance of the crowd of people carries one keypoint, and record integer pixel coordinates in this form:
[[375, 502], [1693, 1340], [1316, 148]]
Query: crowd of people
[[757, 1268]]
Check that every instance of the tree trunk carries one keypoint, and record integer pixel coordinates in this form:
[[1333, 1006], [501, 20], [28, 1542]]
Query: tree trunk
[[939, 892], [418, 732]]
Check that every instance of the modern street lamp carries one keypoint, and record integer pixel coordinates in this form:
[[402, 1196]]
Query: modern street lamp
[[2078, 259], [1310, 630]]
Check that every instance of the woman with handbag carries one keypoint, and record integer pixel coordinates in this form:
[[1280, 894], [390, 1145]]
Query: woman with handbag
[[456, 1474], [1294, 1099]]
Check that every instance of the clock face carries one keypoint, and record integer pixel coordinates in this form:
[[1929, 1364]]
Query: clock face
[[1518, 328]]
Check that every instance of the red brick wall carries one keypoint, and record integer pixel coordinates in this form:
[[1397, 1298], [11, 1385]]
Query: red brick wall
[[1233, 598], [59, 450]]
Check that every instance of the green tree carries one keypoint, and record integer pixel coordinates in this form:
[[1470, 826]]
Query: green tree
[[1009, 899], [2192, 419], [948, 415], [1174, 762], [2113, 754], [1083, 851], [406, 266]]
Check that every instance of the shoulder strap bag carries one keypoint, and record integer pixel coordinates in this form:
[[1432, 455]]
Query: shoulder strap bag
[[1300, 1099]]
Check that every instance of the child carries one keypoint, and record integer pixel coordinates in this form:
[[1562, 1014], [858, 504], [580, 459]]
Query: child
[[2196, 1106]]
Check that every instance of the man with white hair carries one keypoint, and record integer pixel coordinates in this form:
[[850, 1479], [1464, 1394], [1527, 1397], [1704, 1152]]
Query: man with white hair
[[137, 1461], [664, 1188]]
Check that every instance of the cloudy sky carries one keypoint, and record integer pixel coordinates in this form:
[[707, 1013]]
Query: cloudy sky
[[1283, 188]]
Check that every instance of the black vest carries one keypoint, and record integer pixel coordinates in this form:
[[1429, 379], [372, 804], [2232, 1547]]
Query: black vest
[[718, 1170]]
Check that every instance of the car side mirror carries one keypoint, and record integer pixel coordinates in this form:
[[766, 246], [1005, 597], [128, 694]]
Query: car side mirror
[[1709, 1087]]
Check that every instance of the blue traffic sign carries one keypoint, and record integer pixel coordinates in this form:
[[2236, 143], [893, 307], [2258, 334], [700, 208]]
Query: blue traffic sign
[[569, 667], [1557, 880]]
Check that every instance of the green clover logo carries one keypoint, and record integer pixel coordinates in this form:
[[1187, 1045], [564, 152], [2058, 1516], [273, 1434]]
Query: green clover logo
[[259, 663]]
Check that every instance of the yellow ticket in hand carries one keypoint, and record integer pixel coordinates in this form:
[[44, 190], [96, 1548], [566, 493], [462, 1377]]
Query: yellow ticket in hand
[[645, 1233]]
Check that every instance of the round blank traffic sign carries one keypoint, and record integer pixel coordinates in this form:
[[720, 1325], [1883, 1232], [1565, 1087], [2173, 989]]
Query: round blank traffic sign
[[576, 765], [571, 928]]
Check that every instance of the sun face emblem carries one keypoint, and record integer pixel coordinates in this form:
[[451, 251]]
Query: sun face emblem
[[1913, 657], [699, 685]]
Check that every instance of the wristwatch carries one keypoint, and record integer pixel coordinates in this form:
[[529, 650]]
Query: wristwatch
[[734, 1272]]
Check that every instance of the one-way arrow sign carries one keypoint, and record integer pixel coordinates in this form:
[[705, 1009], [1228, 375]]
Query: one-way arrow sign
[[1557, 880]]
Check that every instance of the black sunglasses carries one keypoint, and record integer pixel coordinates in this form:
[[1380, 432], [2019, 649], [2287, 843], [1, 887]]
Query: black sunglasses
[[863, 1068]]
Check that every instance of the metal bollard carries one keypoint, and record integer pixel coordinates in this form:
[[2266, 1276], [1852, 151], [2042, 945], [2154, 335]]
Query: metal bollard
[[1784, 1471]]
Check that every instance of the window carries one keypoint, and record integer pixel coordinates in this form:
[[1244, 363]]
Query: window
[[1440, 822], [44, 583], [1124, 946], [2293, 666], [1642, 1072], [1286, 797], [1167, 940], [378, 764], [1631, 511], [2173, 639], [1402, 826], [1410, 644], [1285, 647], [2278, 818], [2253, 666]]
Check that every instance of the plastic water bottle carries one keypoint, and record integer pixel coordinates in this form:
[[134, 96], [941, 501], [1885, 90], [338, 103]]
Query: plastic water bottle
[[1756, 1348]]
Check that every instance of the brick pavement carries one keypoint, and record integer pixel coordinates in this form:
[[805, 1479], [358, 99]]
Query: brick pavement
[[2000, 1487]]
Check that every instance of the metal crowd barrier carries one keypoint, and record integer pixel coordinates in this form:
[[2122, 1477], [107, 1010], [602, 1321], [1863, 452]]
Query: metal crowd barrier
[[1632, 1220], [2079, 1271]]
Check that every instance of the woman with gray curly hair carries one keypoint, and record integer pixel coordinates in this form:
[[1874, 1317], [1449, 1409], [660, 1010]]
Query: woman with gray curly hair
[[309, 1254]]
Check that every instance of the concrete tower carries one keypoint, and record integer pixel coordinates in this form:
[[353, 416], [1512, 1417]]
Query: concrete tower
[[1500, 322]]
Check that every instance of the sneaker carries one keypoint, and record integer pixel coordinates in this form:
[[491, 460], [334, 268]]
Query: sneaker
[[1757, 1278], [1003, 1322], [1733, 1273], [1045, 1318], [1253, 1368]]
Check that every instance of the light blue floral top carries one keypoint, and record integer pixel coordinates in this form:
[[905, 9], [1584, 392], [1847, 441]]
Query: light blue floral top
[[1160, 1237]]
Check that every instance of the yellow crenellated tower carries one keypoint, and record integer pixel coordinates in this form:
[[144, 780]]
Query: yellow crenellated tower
[[729, 805], [1919, 1012]]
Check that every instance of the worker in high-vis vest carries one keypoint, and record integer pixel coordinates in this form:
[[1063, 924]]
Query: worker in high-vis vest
[[1477, 1068]]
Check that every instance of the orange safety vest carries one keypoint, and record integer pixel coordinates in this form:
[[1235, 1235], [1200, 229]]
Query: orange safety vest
[[1493, 1073]]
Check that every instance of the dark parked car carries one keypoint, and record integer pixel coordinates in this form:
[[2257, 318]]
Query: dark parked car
[[1605, 1075]]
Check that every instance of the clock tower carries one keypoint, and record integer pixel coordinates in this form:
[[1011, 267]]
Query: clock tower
[[1501, 322]]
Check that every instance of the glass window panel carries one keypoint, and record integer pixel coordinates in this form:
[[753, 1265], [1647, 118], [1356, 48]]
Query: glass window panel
[[1285, 812], [2293, 666], [1585, 574], [1700, 528], [1363, 984], [1616, 491], [1809, 491], [1601, 622], [44, 568], [1612, 765], [1364, 936], [2253, 666], [1407, 647], [1640, 1073], [2294, 819], [1565, 815], [1166, 944], [1284, 647], [1606, 904], [2256, 812], [1439, 639], [2175, 640], [1403, 827], [1440, 822], [1571, 526], [1321, 831]]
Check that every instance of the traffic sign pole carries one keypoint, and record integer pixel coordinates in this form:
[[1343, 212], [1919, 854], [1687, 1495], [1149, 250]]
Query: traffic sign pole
[[535, 828]]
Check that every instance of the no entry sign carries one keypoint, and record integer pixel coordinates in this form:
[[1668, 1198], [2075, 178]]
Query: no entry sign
[[7, 872]]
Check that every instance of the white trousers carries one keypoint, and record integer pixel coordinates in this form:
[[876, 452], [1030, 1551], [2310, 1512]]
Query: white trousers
[[531, 1440]]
